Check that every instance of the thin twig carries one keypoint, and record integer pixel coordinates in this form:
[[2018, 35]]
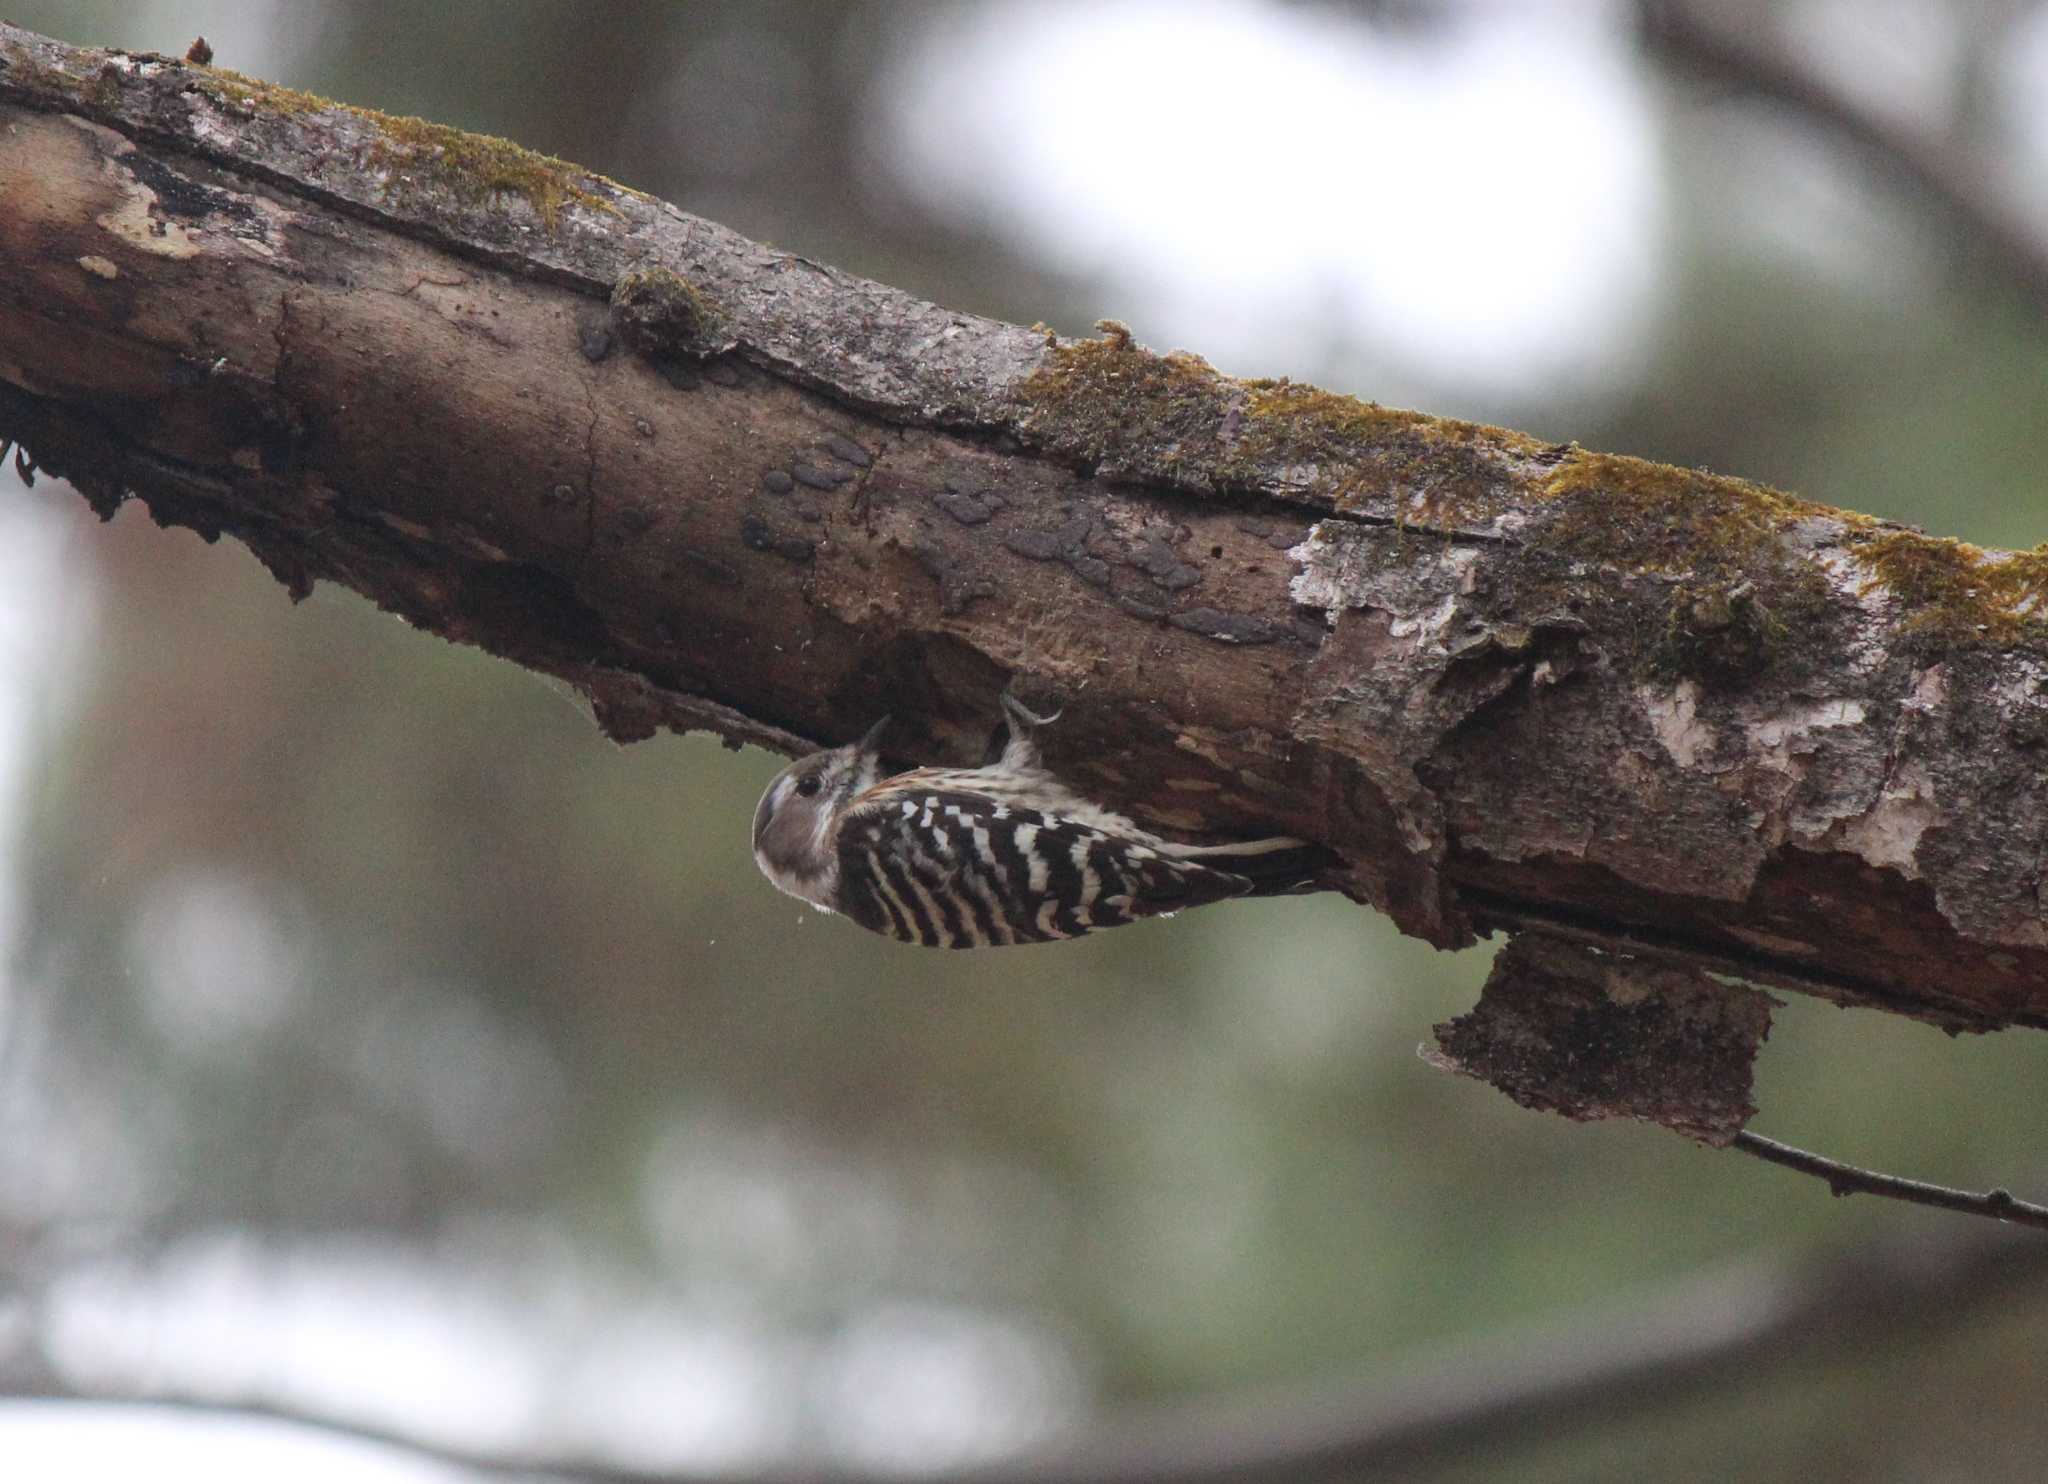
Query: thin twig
[[1999, 1205]]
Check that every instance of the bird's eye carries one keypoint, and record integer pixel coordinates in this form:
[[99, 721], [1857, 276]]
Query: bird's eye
[[809, 784]]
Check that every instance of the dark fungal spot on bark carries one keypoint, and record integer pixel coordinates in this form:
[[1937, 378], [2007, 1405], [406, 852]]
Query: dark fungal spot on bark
[[968, 509], [819, 479], [1034, 546], [1227, 628], [1092, 570], [959, 584], [758, 535], [708, 566], [847, 451]]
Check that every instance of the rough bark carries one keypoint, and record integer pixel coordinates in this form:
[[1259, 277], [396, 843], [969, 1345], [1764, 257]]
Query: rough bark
[[1665, 714], [1601, 1035]]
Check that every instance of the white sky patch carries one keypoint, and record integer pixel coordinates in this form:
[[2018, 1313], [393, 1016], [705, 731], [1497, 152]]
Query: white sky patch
[[358, 1332], [223, 959], [666, 1386], [505, 1341], [103, 1445], [1479, 201], [918, 1387]]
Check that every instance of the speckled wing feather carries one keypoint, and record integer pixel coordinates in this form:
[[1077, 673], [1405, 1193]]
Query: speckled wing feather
[[948, 868]]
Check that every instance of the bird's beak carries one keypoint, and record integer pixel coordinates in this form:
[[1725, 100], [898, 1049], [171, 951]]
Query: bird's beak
[[870, 746]]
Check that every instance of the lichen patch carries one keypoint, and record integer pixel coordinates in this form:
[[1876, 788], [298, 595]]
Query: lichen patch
[[1888, 833], [1788, 732], [1674, 721]]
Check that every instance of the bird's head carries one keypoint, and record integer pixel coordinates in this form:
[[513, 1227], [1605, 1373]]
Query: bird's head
[[798, 817]]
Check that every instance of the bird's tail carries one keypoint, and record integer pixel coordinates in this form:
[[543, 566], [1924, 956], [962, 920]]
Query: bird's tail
[[1276, 866]]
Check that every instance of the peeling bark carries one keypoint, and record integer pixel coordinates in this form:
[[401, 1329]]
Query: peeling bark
[[715, 485], [1572, 1030]]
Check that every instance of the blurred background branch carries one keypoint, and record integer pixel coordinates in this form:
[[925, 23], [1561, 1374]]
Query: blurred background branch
[[1733, 46], [1718, 1334]]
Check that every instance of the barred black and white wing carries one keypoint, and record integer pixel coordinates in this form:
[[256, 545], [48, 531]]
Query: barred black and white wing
[[947, 867]]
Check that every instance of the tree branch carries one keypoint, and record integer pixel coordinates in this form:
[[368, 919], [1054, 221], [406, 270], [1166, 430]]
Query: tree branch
[[1516, 684], [1999, 1205]]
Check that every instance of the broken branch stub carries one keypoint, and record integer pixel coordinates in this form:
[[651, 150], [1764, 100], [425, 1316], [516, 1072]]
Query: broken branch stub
[[1567, 1029]]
